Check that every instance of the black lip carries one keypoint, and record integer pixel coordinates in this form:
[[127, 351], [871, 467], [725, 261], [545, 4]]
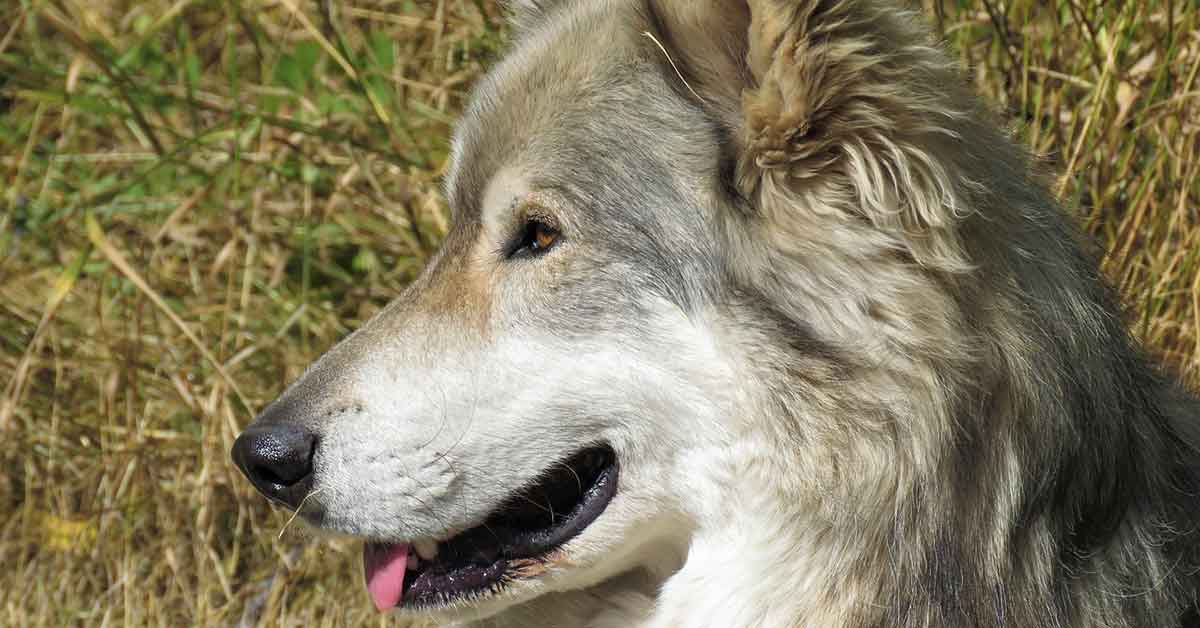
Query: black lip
[[520, 534]]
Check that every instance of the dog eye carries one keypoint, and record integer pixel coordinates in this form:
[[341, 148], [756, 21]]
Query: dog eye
[[536, 238]]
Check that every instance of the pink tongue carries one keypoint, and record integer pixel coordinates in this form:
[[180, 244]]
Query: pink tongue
[[384, 565]]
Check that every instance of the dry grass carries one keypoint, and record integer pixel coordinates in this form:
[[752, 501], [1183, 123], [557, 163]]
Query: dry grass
[[201, 196]]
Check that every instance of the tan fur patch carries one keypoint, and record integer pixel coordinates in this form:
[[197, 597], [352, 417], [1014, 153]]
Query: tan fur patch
[[460, 288]]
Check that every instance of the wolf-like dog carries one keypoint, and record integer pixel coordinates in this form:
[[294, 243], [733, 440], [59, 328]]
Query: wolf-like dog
[[750, 315]]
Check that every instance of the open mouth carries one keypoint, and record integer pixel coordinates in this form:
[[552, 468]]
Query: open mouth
[[513, 542]]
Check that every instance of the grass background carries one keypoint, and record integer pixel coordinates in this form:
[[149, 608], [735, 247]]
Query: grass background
[[200, 196]]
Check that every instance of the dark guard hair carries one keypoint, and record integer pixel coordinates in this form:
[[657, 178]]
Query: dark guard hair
[[848, 358], [1005, 455]]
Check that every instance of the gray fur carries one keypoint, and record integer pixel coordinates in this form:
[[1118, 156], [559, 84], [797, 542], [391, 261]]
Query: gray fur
[[974, 438]]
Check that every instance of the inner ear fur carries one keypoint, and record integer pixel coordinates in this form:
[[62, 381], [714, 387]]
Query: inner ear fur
[[835, 106]]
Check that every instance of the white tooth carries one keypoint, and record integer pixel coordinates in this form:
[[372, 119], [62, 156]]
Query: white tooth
[[426, 548], [412, 561]]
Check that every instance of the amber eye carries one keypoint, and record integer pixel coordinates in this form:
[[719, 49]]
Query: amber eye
[[536, 238], [543, 236]]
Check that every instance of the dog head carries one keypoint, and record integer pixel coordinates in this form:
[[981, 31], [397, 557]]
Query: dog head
[[547, 405]]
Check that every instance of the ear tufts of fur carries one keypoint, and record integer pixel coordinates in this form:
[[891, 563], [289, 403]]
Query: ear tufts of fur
[[847, 87]]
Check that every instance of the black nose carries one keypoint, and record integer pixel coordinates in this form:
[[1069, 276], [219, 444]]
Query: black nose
[[277, 458]]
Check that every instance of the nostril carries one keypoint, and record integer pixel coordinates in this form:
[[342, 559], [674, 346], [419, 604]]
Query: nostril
[[278, 459], [268, 475]]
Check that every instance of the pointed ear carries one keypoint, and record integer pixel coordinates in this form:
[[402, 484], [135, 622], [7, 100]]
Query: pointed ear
[[836, 106]]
